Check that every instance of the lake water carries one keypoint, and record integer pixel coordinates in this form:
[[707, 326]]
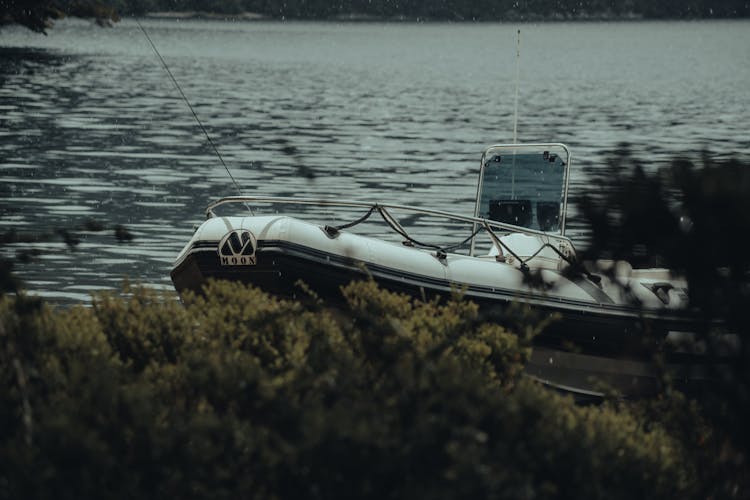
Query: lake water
[[91, 127]]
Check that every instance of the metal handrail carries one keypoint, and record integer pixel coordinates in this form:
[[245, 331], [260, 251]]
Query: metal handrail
[[389, 206]]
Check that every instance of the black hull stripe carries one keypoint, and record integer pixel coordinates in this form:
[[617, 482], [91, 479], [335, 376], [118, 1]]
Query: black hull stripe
[[359, 267]]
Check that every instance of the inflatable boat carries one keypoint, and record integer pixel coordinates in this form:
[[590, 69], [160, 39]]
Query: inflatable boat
[[515, 252]]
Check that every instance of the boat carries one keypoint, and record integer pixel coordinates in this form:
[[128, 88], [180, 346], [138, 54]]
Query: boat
[[516, 252]]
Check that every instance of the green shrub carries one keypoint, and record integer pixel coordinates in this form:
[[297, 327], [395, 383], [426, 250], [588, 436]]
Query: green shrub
[[240, 395]]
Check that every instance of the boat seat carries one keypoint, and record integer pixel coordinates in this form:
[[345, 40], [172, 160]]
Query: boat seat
[[516, 212], [548, 215]]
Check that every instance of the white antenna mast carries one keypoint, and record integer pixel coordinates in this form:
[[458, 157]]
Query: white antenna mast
[[515, 117], [518, 78], [195, 115]]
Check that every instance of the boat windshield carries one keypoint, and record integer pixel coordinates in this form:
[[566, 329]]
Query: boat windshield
[[525, 185]]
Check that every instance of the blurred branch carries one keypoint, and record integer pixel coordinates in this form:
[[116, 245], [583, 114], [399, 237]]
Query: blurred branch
[[26, 246], [691, 218]]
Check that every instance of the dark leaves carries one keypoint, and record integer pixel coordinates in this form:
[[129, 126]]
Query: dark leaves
[[122, 234], [69, 238], [692, 218], [39, 15]]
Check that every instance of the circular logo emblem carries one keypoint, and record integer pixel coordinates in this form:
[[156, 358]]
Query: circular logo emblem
[[237, 248]]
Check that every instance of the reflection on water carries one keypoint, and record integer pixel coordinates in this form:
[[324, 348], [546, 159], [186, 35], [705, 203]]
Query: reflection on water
[[92, 128]]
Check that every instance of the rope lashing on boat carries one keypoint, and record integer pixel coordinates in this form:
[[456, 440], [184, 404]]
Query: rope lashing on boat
[[496, 240], [458, 245], [573, 263], [524, 267], [332, 231], [396, 226], [441, 251]]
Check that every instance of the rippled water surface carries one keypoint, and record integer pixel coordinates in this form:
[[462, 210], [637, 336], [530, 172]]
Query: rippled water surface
[[91, 127]]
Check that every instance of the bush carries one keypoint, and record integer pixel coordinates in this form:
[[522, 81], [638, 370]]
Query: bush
[[237, 394]]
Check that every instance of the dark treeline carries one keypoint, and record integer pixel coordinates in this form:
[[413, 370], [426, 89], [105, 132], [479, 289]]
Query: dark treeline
[[456, 10], [38, 15]]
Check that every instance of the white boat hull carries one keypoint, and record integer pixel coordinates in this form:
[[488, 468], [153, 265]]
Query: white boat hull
[[280, 251]]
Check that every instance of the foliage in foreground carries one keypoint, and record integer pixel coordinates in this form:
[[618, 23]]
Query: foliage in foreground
[[237, 394], [39, 15], [688, 216]]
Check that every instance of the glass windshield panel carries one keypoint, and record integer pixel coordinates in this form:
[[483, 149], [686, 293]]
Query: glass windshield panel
[[524, 186]]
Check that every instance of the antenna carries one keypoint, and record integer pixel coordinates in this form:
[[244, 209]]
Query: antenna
[[518, 78], [195, 115], [515, 116]]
